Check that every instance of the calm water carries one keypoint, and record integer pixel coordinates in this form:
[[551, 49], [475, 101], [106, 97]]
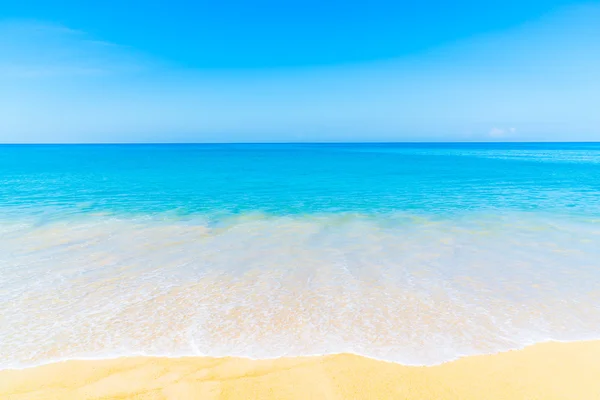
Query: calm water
[[414, 253]]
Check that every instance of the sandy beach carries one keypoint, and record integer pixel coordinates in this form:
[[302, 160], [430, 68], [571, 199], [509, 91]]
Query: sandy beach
[[542, 371]]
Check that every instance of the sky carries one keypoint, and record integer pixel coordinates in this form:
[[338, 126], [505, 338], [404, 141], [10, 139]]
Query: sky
[[310, 71]]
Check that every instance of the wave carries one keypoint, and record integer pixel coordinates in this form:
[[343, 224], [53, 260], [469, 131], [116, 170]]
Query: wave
[[413, 289]]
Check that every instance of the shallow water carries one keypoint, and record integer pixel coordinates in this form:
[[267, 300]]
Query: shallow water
[[414, 253]]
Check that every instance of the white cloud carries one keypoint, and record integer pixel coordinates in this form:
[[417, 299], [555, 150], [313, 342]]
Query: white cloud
[[501, 133], [496, 132]]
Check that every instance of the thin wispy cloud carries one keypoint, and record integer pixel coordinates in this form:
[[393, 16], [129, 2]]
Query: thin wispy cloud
[[31, 49]]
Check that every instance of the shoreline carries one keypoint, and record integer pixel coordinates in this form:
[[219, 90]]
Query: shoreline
[[549, 370], [275, 358]]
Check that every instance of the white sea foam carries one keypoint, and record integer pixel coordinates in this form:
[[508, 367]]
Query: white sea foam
[[410, 289]]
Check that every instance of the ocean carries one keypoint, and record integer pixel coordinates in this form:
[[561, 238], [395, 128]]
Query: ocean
[[412, 253]]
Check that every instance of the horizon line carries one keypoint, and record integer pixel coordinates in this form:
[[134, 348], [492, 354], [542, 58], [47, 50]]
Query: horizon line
[[290, 143]]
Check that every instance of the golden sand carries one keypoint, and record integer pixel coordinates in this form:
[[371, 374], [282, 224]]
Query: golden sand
[[544, 371]]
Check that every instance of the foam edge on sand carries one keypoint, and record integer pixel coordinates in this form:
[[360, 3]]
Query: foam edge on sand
[[543, 371]]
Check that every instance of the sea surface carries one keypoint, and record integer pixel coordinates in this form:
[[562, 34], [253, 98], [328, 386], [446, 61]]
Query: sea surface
[[412, 253]]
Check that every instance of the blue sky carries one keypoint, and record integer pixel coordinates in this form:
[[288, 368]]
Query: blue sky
[[299, 71]]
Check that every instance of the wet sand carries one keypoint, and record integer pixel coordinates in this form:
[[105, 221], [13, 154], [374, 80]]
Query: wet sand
[[543, 371]]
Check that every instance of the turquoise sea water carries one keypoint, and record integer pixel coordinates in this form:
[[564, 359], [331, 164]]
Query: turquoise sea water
[[414, 253]]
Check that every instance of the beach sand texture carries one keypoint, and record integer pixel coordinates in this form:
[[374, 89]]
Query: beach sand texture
[[542, 371]]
